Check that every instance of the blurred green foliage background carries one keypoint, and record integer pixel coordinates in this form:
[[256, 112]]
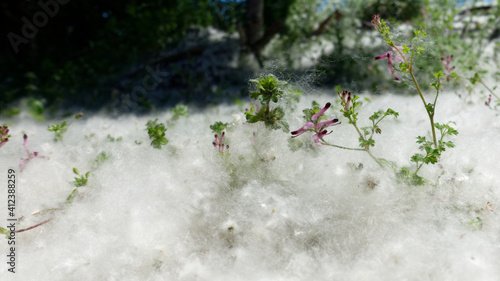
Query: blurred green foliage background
[[82, 52]]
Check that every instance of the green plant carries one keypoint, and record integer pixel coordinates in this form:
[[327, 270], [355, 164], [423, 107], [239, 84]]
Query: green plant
[[82, 180], [218, 127], [4, 231], [268, 90], [365, 133], [316, 122], [60, 129], [79, 182], [156, 132], [431, 156], [432, 148], [179, 111], [112, 139], [36, 108]]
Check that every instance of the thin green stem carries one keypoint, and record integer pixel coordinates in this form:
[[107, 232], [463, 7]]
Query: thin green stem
[[410, 70], [418, 168], [482, 83], [356, 149], [375, 124], [487, 88], [46, 210], [431, 114], [356, 127], [342, 147], [375, 158]]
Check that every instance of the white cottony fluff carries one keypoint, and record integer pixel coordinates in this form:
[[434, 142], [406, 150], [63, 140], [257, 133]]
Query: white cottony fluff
[[184, 213]]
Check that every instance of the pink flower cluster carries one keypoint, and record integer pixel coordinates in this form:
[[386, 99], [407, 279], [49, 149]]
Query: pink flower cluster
[[318, 128], [219, 143], [447, 66], [4, 135], [391, 58], [345, 98], [29, 155]]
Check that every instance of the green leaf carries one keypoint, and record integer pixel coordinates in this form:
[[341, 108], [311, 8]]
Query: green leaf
[[421, 139], [439, 74], [391, 112], [417, 158], [156, 132], [71, 197], [218, 127], [476, 224], [179, 111], [5, 232]]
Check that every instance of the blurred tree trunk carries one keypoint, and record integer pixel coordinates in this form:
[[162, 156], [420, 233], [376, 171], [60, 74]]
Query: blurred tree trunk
[[255, 21], [255, 27]]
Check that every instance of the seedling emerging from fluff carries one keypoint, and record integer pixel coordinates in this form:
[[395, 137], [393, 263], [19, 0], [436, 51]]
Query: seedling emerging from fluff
[[156, 132], [60, 129], [79, 181], [82, 180], [268, 90], [431, 156], [218, 127], [29, 155], [179, 111], [4, 135], [113, 139]]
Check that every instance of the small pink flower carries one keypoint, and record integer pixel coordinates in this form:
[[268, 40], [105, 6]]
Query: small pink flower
[[391, 58], [318, 128], [447, 66], [219, 143], [487, 103], [346, 99], [29, 155], [4, 135], [376, 21]]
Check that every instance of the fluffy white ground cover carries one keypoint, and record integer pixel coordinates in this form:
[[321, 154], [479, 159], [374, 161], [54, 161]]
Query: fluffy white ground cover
[[179, 214]]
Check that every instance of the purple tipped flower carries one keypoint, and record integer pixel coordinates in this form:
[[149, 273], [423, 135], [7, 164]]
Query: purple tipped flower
[[4, 135], [29, 155], [219, 143], [447, 66], [376, 21], [391, 58], [319, 128], [487, 103], [345, 99]]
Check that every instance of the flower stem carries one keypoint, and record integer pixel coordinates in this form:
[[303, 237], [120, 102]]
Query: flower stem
[[36, 225], [342, 147], [430, 114], [487, 88], [357, 149]]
